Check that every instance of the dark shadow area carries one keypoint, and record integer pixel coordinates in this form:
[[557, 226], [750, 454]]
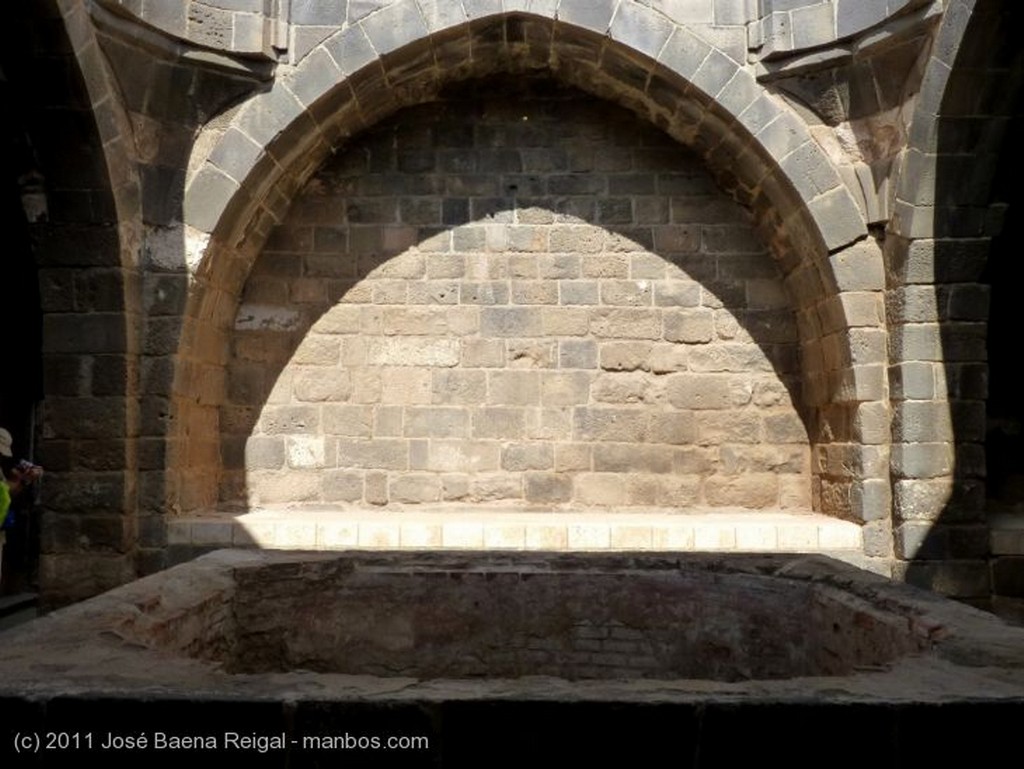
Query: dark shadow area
[[21, 385], [977, 266], [1004, 274], [430, 169]]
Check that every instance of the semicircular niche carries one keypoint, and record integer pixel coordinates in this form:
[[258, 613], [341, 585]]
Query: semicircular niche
[[532, 300]]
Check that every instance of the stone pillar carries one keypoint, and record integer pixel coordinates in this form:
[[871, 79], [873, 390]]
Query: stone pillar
[[938, 373]]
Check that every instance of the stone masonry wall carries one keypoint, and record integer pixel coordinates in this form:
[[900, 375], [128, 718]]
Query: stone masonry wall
[[534, 298]]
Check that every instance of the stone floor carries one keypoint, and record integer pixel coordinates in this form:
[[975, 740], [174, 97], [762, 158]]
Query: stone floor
[[82, 674]]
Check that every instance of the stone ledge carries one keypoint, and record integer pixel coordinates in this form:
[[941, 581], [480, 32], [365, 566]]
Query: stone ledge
[[476, 529]]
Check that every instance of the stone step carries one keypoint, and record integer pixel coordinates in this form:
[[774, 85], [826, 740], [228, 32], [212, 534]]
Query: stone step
[[488, 529]]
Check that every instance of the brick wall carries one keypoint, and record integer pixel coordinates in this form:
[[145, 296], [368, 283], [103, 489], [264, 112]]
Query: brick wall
[[531, 299]]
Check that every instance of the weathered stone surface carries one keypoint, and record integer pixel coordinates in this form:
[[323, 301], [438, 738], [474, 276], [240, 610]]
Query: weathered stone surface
[[526, 331]]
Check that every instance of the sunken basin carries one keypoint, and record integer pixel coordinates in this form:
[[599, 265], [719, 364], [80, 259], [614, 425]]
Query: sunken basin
[[572, 617], [682, 652]]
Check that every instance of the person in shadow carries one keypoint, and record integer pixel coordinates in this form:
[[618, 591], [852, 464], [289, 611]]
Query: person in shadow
[[17, 498]]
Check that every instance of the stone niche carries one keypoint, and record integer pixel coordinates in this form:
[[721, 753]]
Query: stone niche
[[536, 300]]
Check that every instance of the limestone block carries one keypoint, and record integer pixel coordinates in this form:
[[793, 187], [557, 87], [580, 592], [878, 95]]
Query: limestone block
[[451, 386], [529, 353], [548, 424], [626, 387], [605, 266], [498, 423], [641, 30], [625, 323], [714, 536], [401, 351], [318, 350], [404, 385], [206, 197], [922, 499], [414, 488], [565, 322], [485, 487], [306, 451], [513, 388], [626, 458], [571, 457], [581, 354], [378, 454], [278, 420], [549, 488], [672, 427], [291, 486], [600, 489], [624, 356], [434, 292], [511, 322], [576, 239], [923, 421], [684, 52], [380, 534], [415, 321], [534, 292], [914, 380], [923, 541], [556, 266], [794, 494], [749, 491], [726, 356], [922, 460], [631, 293], [455, 487], [352, 421], [546, 537], [391, 27], [463, 321], [446, 266], [341, 486], [430, 421], [728, 426], [692, 326], [492, 292], [483, 353], [841, 223], [375, 485], [314, 385], [677, 239], [709, 391], [609, 424], [463, 456], [785, 428], [565, 388]]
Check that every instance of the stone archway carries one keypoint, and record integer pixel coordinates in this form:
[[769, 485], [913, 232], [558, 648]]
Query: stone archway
[[672, 78]]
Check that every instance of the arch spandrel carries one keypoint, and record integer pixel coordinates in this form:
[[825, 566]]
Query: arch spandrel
[[711, 77]]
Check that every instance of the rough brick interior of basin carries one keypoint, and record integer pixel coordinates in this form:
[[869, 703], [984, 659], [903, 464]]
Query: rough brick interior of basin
[[575, 617]]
